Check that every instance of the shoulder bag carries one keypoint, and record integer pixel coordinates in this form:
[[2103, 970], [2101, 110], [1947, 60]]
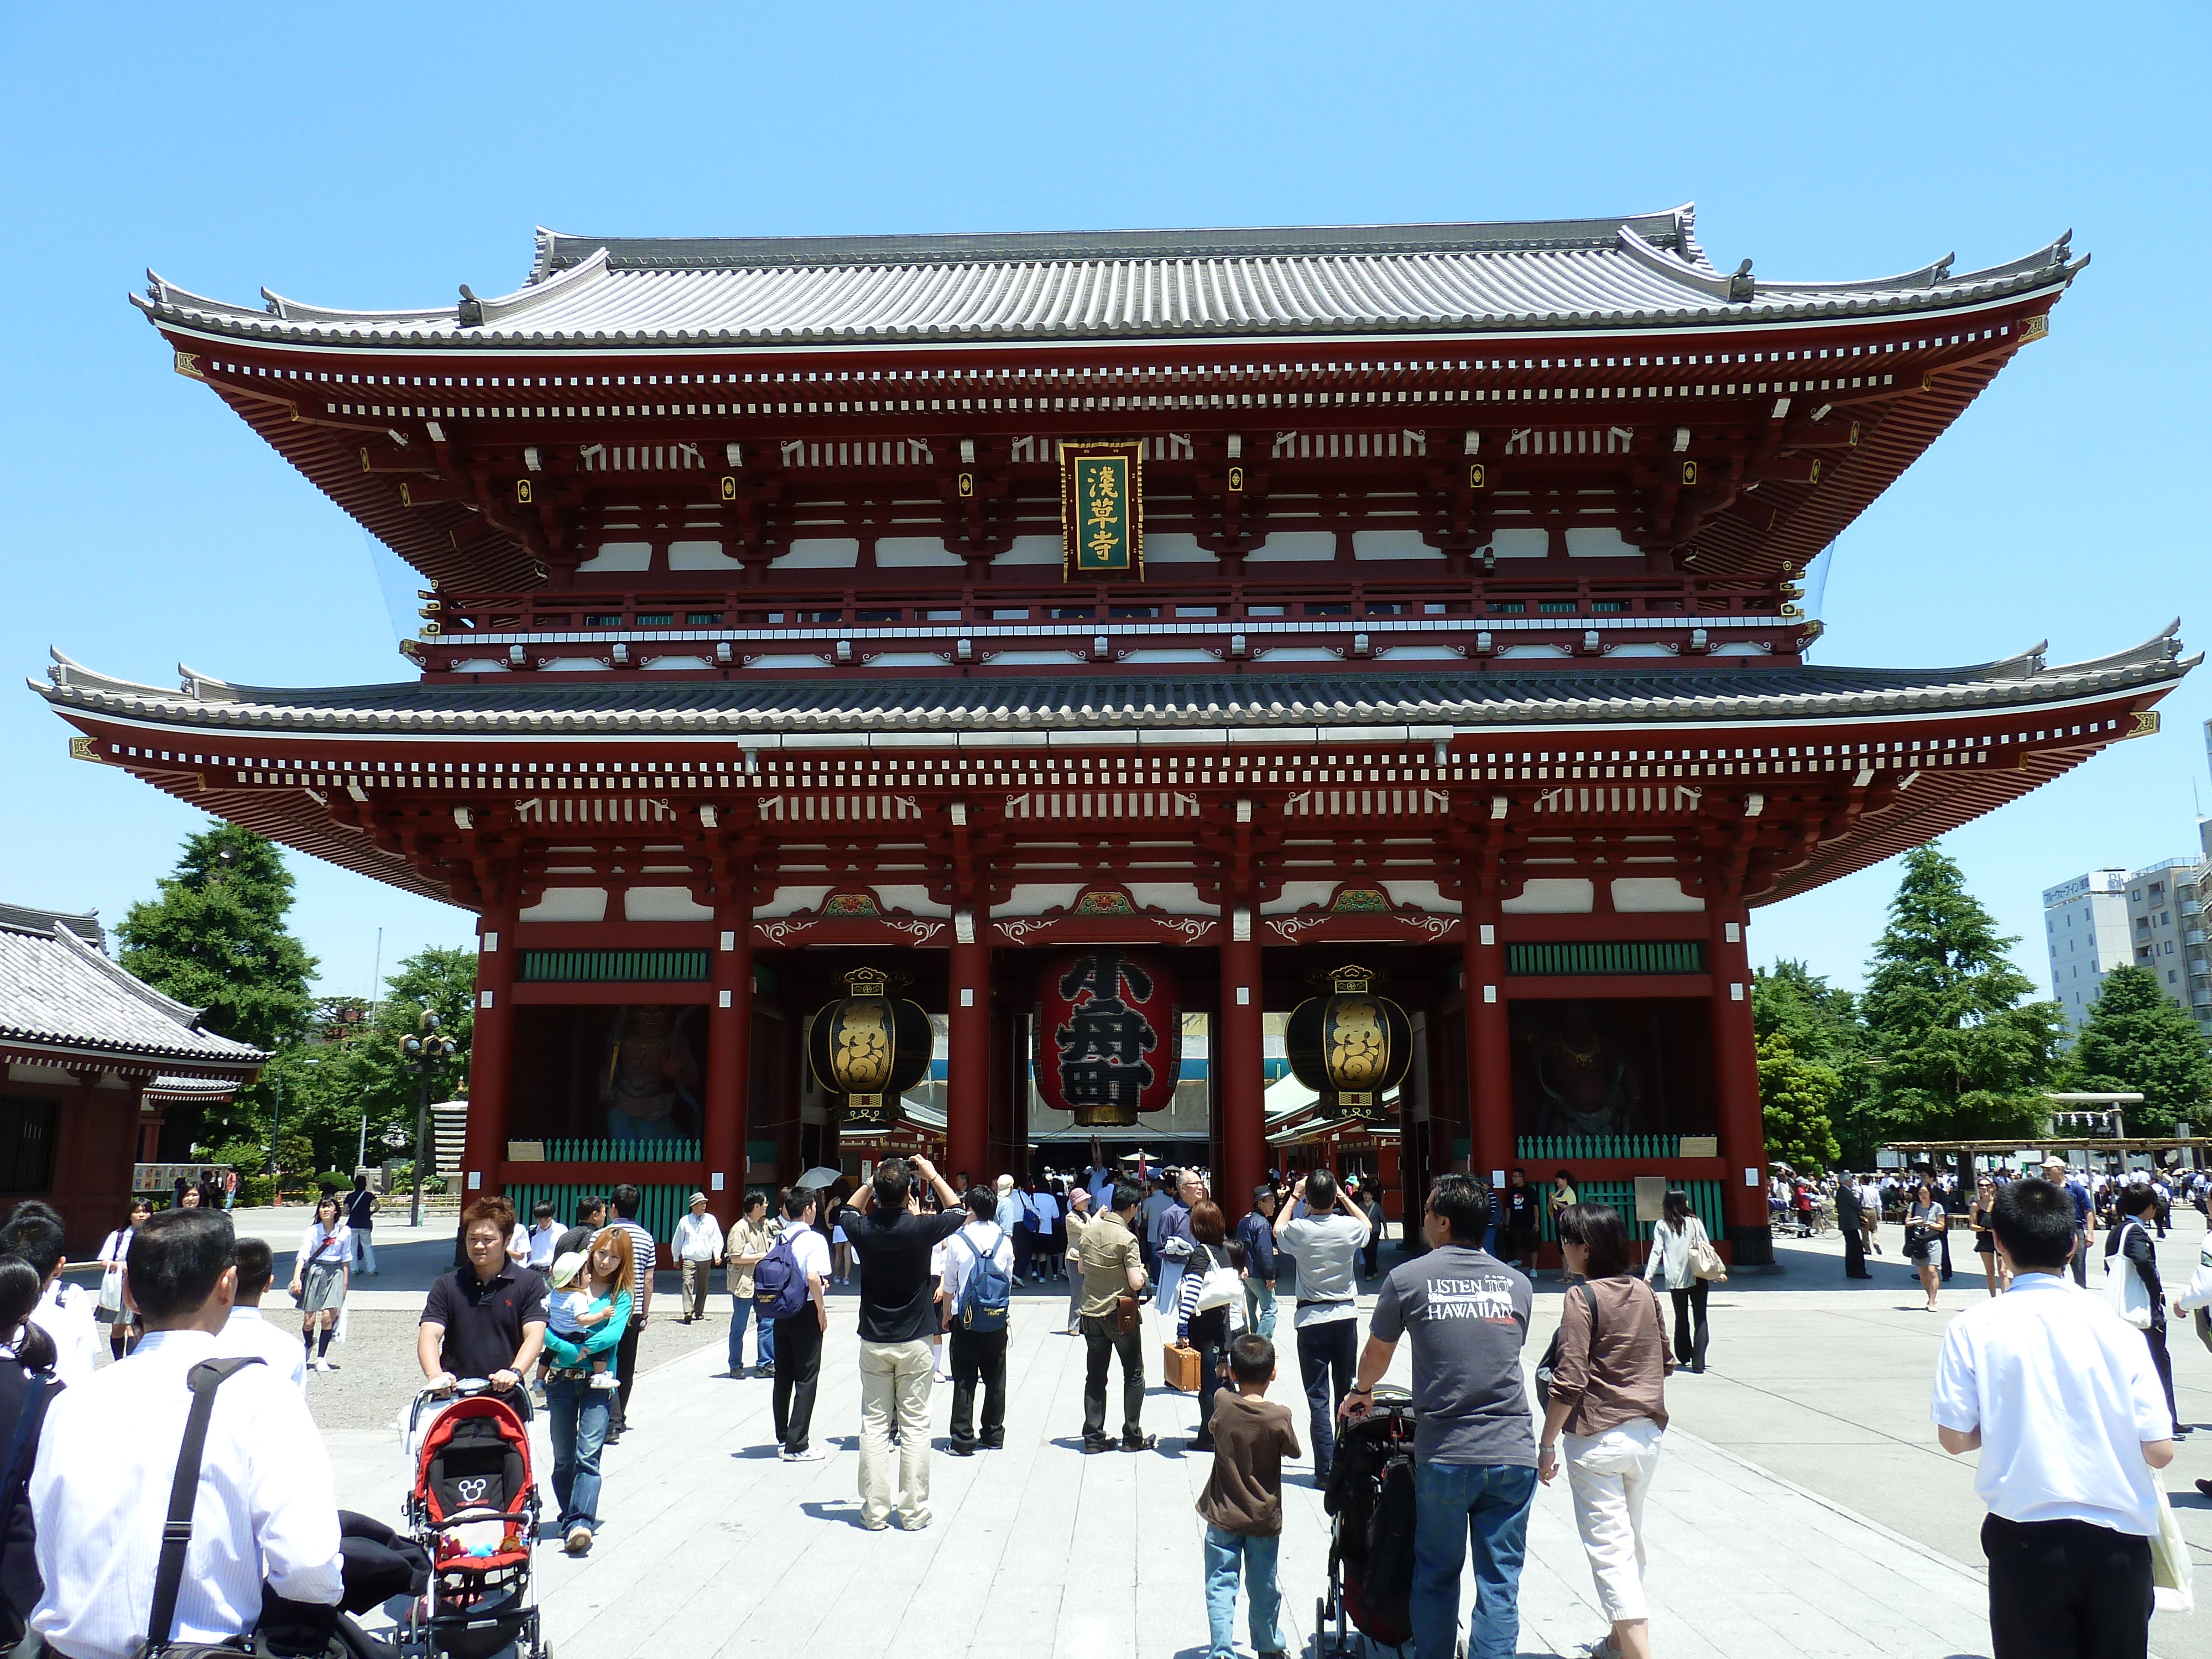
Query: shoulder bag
[[204, 1379], [2125, 1293], [1705, 1262]]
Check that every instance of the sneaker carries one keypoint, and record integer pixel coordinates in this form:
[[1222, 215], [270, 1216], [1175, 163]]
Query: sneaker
[[578, 1541], [1091, 1446], [915, 1523], [960, 1448], [806, 1454], [327, 1364], [1140, 1442]]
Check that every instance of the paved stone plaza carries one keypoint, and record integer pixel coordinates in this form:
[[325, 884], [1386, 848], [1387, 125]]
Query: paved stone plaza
[[1803, 1506]]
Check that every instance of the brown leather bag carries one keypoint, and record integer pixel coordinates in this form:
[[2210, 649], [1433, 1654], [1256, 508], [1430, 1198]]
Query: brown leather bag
[[1180, 1367], [1127, 1314]]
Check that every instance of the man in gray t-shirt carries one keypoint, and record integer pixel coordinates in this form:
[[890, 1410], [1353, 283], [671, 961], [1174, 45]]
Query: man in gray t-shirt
[[1474, 1448]]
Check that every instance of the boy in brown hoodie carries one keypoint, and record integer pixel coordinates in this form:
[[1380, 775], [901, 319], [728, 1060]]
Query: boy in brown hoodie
[[1242, 1503]]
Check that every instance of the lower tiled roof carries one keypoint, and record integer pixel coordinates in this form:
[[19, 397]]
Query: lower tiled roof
[[59, 993]]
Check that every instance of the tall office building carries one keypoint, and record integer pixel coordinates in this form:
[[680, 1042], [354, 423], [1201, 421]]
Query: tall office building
[[2085, 930], [2167, 934]]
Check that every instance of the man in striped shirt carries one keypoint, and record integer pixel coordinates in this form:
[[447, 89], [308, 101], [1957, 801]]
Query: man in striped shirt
[[623, 1202]]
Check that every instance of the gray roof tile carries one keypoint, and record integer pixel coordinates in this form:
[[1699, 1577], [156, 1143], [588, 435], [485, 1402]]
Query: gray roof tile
[[1636, 271], [58, 991]]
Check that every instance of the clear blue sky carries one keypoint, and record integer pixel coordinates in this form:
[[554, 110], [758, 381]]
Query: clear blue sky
[[379, 158]]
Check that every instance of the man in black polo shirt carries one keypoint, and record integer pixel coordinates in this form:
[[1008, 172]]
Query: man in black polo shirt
[[898, 1316], [486, 1318]]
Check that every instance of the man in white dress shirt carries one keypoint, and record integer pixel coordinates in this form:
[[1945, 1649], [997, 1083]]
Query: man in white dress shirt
[[33, 1231], [245, 1331], [267, 1512], [2059, 1396]]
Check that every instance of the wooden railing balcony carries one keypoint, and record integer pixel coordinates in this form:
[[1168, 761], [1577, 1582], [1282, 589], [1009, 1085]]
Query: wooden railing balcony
[[914, 625]]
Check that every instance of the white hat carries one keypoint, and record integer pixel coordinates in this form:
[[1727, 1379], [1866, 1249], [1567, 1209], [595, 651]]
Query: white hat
[[567, 1267]]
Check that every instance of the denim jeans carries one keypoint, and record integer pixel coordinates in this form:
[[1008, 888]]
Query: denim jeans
[[577, 1414], [741, 1308], [1328, 1359], [1482, 1507], [1259, 1308], [1225, 1553]]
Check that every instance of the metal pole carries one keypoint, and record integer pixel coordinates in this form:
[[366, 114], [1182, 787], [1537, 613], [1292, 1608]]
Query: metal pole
[[422, 1137]]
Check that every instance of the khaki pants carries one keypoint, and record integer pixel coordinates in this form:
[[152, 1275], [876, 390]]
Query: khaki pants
[[695, 1277], [896, 1379]]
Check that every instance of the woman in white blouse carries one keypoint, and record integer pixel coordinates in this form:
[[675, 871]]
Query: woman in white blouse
[[1672, 1236], [114, 1251], [319, 1275]]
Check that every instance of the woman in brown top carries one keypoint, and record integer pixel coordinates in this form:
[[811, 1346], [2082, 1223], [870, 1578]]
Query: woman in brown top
[[1608, 1398]]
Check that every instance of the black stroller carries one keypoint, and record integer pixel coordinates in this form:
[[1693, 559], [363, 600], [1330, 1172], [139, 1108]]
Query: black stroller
[[1370, 1549]]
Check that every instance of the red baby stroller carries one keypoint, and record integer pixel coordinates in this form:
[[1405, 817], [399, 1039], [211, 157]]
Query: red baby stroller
[[1370, 1547], [474, 1508]]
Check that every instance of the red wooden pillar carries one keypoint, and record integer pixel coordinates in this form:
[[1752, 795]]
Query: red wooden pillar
[[1736, 1082], [967, 1062], [1240, 1060], [1489, 1042], [729, 1054], [491, 1052]]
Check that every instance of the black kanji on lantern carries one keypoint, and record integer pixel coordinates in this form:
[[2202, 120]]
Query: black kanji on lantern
[[1102, 1045]]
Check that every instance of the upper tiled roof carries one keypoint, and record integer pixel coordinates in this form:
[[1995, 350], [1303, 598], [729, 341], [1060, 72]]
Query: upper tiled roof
[[86, 927], [978, 708], [1637, 271], [60, 994]]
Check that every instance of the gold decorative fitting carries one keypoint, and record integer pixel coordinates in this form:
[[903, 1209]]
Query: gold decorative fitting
[[1475, 476], [867, 983], [522, 492], [729, 487], [406, 496], [2146, 723], [1815, 479], [1689, 472], [1355, 981], [364, 458], [1236, 480], [2033, 328], [84, 749], [1855, 435], [188, 363], [967, 485], [1927, 382]]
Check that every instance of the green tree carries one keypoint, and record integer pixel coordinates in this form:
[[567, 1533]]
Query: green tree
[[1794, 1093], [2137, 1038], [215, 938], [1822, 1023], [1958, 1052]]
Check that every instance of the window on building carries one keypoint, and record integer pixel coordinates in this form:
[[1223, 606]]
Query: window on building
[[2171, 976], [28, 1129]]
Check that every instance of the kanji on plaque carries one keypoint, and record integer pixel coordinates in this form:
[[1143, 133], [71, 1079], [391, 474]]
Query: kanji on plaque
[[1102, 510], [1108, 1035]]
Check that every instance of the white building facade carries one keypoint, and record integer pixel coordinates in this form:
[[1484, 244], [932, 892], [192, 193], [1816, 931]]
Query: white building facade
[[2086, 930]]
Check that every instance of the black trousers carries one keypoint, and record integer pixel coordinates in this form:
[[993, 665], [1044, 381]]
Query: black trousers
[[1102, 1342], [1328, 1360], [797, 1368], [2162, 1362], [2065, 1589], [1691, 1333], [374, 1564], [625, 1374], [1854, 1265], [978, 1356]]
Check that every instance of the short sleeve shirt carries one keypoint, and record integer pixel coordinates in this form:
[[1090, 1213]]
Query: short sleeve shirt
[[898, 1293], [1326, 1249], [483, 1320], [2064, 1394], [1467, 1314], [1109, 1251]]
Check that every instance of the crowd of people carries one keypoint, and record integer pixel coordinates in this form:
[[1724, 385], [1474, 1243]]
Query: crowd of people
[[548, 1314]]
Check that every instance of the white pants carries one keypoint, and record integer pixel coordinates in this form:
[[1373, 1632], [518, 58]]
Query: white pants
[[1608, 1474]]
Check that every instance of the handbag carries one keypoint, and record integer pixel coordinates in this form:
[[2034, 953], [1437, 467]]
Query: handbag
[[1180, 1367], [1127, 1316], [1705, 1262], [2170, 1566], [2125, 1293], [1221, 1287], [203, 1379]]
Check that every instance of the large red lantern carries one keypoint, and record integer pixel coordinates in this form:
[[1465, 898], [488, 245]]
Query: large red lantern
[[1108, 1041]]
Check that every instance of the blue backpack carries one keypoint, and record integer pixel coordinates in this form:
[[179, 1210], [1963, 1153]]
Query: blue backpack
[[986, 1292], [780, 1289]]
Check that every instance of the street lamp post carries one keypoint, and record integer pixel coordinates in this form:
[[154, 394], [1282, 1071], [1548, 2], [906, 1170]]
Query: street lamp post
[[424, 1054]]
